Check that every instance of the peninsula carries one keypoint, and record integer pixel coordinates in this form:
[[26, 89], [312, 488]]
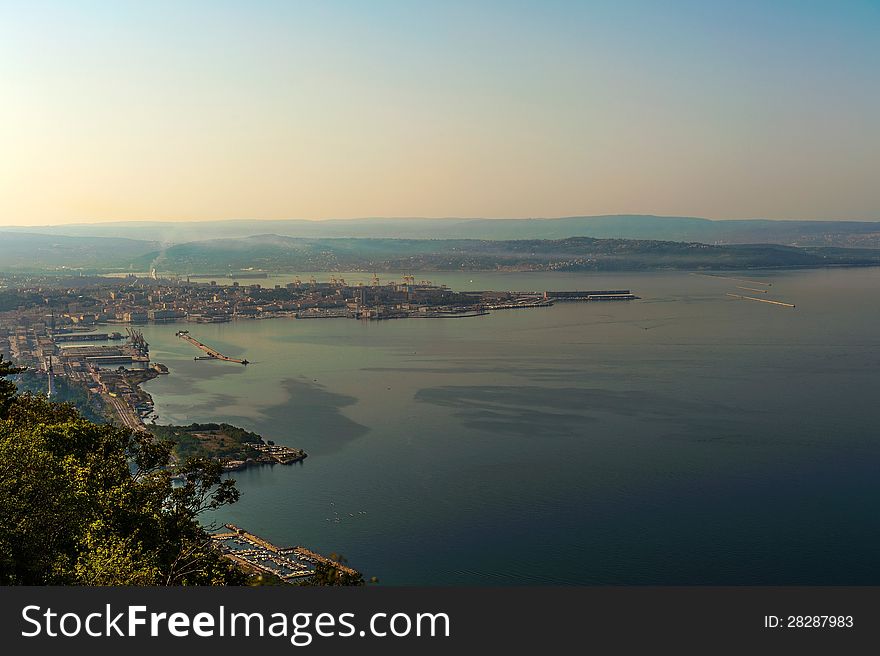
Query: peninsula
[[236, 447]]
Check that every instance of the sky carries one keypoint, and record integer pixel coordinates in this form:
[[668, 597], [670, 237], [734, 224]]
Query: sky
[[190, 110]]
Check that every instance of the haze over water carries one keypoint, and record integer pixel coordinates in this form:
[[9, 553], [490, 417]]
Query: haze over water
[[684, 438]]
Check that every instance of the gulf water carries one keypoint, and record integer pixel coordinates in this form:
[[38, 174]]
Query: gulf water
[[684, 438]]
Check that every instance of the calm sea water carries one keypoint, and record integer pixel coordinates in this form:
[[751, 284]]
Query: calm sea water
[[686, 438]]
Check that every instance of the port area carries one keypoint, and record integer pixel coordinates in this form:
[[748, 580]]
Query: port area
[[109, 367], [110, 375], [253, 553], [475, 304], [213, 354]]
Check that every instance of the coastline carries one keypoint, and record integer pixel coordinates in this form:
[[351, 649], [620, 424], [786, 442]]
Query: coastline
[[237, 448]]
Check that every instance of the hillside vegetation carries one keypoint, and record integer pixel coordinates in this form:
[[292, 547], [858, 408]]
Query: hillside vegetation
[[863, 234], [278, 253], [73, 513]]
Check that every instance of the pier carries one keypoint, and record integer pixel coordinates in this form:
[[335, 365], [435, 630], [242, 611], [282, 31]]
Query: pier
[[761, 300], [213, 354], [593, 295]]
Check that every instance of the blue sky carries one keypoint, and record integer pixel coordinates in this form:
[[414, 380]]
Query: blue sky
[[201, 110]]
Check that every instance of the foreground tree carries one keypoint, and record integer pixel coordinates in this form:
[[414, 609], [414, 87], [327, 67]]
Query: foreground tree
[[336, 573], [93, 504], [7, 388]]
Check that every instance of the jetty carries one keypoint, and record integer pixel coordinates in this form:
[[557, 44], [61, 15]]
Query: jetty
[[761, 300], [213, 354]]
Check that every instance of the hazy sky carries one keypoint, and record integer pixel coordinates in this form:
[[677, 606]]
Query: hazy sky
[[229, 109]]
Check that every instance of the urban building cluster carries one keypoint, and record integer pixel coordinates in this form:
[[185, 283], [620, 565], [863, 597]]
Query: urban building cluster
[[85, 329]]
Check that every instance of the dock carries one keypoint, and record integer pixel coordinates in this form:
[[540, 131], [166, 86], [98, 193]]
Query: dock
[[213, 354], [592, 295]]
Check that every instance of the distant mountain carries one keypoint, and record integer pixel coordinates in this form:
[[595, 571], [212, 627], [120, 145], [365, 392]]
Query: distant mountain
[[848, 234], [280, 253], [21, 251], [28, 251]]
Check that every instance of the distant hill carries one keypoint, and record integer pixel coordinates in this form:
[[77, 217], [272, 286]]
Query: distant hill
[[28, 251], [848, 234], [280, 253], [21, 251]]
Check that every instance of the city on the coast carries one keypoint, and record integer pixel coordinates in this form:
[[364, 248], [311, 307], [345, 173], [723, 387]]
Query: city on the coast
[[78, 340], [84, 330]]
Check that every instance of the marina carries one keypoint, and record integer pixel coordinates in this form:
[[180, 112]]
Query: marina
[[290, 564]]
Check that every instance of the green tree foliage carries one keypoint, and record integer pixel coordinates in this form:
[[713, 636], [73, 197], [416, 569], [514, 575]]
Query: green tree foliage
[[92, 504], [328, 574], [216, 440], [7, 389]]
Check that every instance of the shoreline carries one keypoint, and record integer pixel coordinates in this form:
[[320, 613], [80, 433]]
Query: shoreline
[[235, 447]]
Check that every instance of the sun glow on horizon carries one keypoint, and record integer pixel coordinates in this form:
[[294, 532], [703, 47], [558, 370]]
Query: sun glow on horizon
[[277, 110]]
